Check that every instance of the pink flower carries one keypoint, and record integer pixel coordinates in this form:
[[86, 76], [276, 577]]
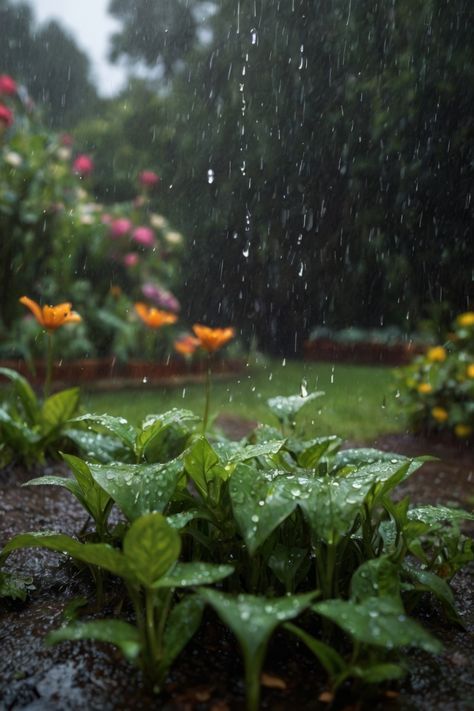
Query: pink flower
[[8, 85], [120, 227], [144, 236], [6, 116], [131, 259], [83, 166], [148, 179]]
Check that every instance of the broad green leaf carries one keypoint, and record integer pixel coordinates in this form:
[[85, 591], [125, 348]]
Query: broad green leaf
[[331, 505], [100, 554], [378, 673], [181, 520], [430, 582], [154, 425], [98, 447], [253, 619], [364, 456], [259, 502], [151, 546], [185, 575], [437, 516], [181, 625], [285, 562], [250, 451], [285, 409], [116, 632], [138, 489], [68, 484], [60, 407], [18, 434], [199, 461], [95, 498], [263, 434], [378, 621], [331, 660], [25, 392], [118, 426], [375, 578], [312, 451]]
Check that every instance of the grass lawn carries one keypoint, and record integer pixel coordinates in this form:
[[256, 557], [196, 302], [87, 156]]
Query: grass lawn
[[359, 402]]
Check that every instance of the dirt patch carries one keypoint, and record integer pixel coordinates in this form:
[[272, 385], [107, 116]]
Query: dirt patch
[[93, 676]]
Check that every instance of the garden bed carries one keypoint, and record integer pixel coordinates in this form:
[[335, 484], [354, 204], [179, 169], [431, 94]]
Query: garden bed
[[208, 674], [361, 353], [109, 374]]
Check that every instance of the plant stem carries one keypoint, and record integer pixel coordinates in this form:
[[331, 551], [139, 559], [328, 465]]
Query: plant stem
[[207, 395], [253, 668], [49, 365], [150, 626]]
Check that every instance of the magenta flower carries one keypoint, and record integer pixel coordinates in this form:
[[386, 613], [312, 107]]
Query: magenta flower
[[83, 166], [144, 236], [120, 227], [131, 259], [8, 85], [6, 116], [148, 179]]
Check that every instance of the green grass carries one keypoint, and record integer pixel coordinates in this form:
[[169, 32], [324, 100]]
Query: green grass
[[359, 402]]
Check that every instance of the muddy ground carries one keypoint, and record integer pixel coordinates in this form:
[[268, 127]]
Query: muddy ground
[[208, 676]]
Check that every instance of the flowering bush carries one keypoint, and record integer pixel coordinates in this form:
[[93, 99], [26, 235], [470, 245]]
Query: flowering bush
[[437, 389], [59, 242]]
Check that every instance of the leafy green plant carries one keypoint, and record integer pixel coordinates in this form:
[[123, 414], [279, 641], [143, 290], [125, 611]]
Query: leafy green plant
[[437, 389], [299, 520], [29, 428]]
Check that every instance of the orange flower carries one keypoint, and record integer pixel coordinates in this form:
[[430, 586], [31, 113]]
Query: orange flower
[[425, 388], [470, 370], [439, 414], [186, 345], [51, 317], [211, 339], [466, 319], [154, 318], [463, 431]]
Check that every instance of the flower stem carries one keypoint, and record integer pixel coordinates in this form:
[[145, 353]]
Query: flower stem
[[49, 365], [207, 395]]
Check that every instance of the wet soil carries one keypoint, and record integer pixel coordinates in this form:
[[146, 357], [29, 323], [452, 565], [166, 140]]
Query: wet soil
[[208, 676]]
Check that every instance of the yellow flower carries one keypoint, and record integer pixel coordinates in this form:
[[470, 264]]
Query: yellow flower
[[439, 414], [211, 339], [470, 370], [51, 317], [436, 355], [466, 319], [154, 318], [425, 388], [463, 431]]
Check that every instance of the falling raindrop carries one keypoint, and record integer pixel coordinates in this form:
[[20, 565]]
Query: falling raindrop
[[210, 176]]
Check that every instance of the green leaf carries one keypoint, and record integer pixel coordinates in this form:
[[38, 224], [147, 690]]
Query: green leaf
[[118, 426], [138, 489], [182, 624], [98, 447], [437, 516], [151, 546], [378, 621], [424, 580], [375, 578], [259, 503], [154, 425], [95, 499], [116, 632], [253, 619], [199, 462], [285, 562], [285, 409], [309, 455], [91, 553], [60, 407], [331, 660], [25, 393], [378, 673], [68, 484], [185, 575], [243, 453]]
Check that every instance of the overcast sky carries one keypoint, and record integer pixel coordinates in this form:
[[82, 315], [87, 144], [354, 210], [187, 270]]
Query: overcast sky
[[91, 26]]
